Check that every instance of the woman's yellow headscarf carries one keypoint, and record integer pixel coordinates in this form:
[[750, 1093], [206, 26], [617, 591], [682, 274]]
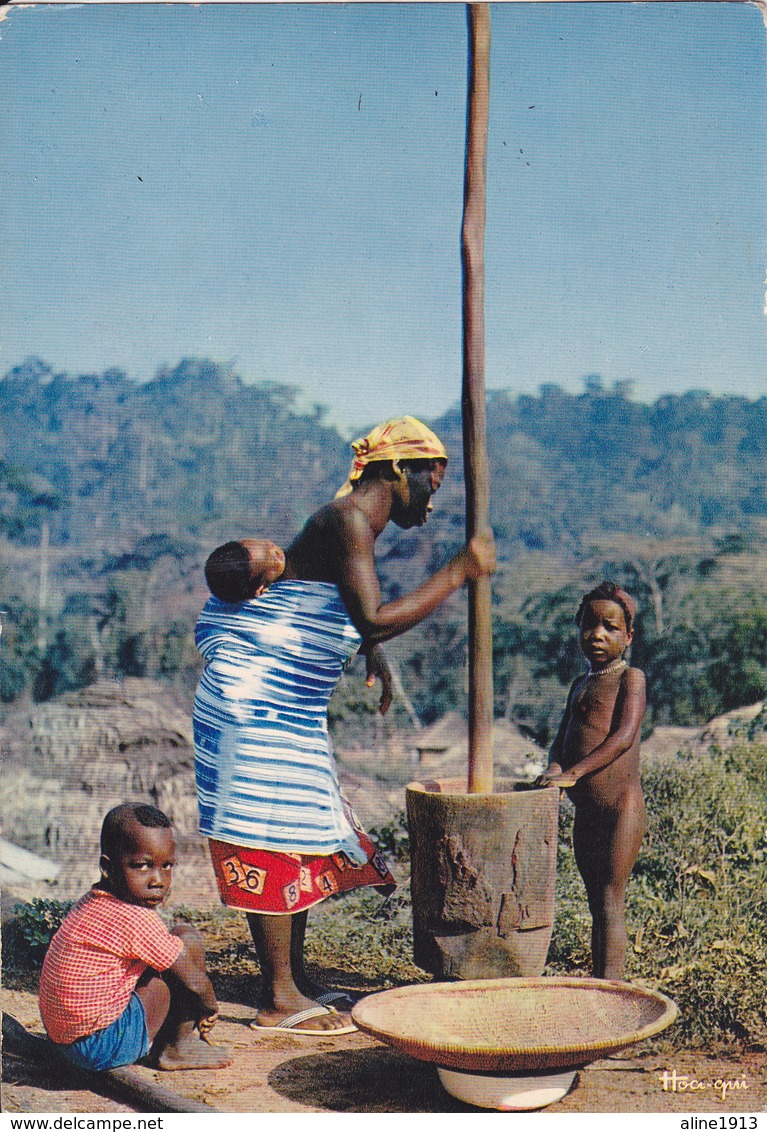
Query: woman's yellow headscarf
[[404, 438]]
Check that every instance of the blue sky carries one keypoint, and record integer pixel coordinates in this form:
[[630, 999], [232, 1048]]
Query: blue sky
[[279, 188]]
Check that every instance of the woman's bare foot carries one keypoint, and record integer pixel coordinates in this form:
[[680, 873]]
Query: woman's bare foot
[[340, 1000], [190, 1052], [326, 1020]]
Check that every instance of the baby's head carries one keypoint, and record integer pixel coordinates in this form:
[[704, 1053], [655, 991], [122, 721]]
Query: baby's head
[[137, 854], [240, 570]]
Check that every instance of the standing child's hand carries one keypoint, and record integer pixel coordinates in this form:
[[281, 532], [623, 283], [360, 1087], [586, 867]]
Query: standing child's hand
[[555, 776], [550, 773]]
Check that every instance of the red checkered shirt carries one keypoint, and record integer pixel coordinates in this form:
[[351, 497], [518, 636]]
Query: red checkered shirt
[[95, 960]]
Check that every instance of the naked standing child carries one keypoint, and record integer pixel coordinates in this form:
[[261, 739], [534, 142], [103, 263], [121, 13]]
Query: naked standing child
[[597, 745]]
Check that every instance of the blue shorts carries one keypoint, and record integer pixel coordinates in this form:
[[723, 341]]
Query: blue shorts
[[121, 1043]]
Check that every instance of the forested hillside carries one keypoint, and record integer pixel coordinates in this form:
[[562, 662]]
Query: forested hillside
[[113, 492], [196, 446]]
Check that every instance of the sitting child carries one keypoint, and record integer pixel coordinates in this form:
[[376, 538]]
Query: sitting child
[[115, 982], [241, 570], [596, 757]]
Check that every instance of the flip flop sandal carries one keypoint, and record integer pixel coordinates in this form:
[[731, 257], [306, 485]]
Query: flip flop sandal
[[333, 997], [291, 1025]]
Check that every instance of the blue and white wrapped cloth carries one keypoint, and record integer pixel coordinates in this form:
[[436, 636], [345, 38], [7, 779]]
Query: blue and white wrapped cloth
[[266, 776]]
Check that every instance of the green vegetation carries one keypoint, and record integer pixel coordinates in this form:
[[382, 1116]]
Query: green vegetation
[[701, 641], [192, 451], [366, 940], [697, 900], [131, 485], [33, 926]]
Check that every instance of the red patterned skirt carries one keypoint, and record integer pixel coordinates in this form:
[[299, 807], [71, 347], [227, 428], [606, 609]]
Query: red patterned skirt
[[259, 880]]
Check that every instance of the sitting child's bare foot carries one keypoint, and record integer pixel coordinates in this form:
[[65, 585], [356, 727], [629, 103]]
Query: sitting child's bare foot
[[190, 1052]]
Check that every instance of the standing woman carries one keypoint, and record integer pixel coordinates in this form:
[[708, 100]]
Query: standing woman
[[282, 837]]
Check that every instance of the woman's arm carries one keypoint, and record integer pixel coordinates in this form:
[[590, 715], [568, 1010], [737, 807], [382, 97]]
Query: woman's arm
[[378, 669], [632, 709], [361, 592]]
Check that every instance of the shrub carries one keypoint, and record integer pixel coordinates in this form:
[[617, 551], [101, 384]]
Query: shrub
[[696, 903], [393, 839], [371, 937], [37, 922]]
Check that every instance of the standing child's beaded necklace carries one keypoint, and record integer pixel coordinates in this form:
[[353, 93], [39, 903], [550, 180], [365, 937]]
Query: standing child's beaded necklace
[[615, 667]]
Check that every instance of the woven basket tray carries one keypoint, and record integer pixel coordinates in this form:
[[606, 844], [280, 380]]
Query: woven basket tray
[[496, 1025]]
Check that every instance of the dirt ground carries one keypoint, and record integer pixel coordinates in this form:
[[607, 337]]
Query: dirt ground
[[356, 1074]]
